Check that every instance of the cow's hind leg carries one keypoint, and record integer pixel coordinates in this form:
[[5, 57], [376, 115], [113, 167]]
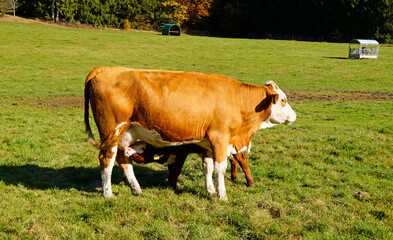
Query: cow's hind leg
[[107, 160], [128, 172]]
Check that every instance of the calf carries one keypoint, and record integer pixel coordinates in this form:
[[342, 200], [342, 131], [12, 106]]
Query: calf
[[175, 157]]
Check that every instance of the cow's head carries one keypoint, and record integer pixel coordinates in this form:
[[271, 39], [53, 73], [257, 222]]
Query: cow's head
[[281, 112]]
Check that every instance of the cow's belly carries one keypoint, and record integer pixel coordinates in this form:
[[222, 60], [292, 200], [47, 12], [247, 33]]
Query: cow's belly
[[152, 137]]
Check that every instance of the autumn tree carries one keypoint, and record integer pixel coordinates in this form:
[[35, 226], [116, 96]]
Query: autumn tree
[[176, 12], [198, 13]]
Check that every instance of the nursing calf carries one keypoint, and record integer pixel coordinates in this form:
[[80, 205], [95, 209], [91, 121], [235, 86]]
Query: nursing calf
[[164, 108], [175, 157]]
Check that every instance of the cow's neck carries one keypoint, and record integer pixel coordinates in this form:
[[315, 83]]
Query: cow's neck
[[256, 108], [255, 103]]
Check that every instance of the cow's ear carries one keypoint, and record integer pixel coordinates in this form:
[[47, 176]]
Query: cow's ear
[[273, 98], [271, 94]]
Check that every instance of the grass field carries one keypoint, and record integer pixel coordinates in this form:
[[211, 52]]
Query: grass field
[[327, 176]]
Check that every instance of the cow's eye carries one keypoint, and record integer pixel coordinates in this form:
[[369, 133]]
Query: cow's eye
[[283, 102]]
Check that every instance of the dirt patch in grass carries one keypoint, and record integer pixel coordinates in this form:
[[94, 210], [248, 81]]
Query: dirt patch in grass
[[337, 95], [16, 19], [60, 101], [78, 101]]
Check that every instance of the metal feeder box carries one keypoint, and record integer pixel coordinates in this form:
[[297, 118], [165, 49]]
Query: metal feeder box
[[171, 30], [363, 48]]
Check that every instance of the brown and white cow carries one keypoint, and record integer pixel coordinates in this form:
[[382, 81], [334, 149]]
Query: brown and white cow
[[165, 108]]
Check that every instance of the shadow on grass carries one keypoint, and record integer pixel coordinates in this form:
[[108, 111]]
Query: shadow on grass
[[80, 178], [341, 58]]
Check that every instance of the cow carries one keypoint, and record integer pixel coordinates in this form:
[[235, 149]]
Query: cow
[[172, 108], [175, 157]]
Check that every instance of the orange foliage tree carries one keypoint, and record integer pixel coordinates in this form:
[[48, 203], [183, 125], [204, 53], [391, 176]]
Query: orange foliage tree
[[198, 12]]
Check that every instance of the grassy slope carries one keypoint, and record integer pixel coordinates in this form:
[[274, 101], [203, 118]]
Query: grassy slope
[[317, 178]]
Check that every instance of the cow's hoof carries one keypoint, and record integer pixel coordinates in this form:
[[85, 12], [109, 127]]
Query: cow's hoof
[[211, 191], [224, 199], [108, 195], [137, 192]]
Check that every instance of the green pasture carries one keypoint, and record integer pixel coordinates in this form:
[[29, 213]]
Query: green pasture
[[327, 176]]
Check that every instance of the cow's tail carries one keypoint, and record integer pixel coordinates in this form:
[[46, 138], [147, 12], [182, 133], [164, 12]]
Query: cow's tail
[[92, 74]]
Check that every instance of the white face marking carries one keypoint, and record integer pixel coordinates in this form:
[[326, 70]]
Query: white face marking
[[138, 147], [128, 153], [281, 112], [267, 124]]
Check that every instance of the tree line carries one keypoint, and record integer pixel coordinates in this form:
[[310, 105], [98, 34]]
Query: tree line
[[337, 19]]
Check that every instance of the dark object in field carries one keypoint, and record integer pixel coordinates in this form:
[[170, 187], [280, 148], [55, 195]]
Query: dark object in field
[[176, 156], [171, 30]]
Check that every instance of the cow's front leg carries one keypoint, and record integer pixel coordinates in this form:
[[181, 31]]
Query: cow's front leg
[[107, 160], [128, 172], [209, 168], [220, 146], [220, 169]]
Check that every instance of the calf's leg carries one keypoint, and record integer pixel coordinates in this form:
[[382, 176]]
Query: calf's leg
[[174, 169], [233, 162], [242, 159]]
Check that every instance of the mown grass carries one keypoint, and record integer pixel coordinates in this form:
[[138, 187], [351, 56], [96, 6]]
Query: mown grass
[[327, 176]]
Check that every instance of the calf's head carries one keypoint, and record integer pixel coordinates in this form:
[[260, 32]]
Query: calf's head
[[281, 112]]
